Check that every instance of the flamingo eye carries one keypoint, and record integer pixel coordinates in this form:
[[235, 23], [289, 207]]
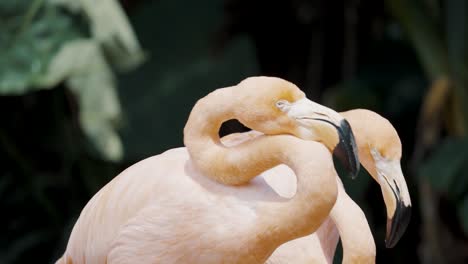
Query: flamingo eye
[[282, 104]]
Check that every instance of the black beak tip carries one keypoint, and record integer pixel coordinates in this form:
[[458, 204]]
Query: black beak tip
[[397, 225], [346, 150], [354, 173]]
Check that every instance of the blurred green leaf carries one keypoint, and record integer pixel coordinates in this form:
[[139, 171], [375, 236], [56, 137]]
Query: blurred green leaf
[[92, 81], [29, 44], [111, 29], [446, 162], [47, 46]]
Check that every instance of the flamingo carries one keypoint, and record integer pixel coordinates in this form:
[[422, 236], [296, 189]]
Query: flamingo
[[380, 153], [204, 203]]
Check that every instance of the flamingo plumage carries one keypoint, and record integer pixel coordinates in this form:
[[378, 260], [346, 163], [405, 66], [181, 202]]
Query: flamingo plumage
[[204, 203]]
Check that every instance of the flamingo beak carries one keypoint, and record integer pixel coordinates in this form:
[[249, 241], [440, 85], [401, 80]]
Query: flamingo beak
[[346, 150], [319, 123], [396, 225], [396, 197]]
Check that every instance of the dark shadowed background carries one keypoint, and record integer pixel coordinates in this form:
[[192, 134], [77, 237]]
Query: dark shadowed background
[[88, 88]]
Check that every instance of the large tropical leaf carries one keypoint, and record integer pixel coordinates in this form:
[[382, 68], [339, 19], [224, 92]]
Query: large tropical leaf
[[110, 28], [92, 81], [47, 42], [32, 33]]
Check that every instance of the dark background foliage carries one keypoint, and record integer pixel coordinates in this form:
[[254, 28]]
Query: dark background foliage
[[66, 130]]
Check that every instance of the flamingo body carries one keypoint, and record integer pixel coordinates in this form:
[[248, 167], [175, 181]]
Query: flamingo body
[[202, 222]]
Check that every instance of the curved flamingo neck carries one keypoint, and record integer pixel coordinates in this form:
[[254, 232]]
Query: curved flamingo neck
[[228, 165]]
